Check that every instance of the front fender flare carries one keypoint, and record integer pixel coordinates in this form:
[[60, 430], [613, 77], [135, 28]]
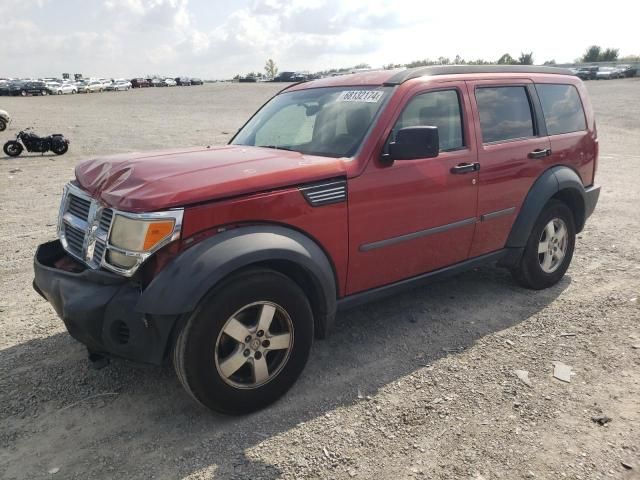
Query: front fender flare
[[180, 286]]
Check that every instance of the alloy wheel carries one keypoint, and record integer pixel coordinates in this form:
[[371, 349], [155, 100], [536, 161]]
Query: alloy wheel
[[254, 345], [552, 246]]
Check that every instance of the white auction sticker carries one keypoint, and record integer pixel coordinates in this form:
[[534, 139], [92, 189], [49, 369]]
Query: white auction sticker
[[368, 96]]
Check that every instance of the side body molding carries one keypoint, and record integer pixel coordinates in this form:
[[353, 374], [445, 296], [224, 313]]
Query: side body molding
[[559, 179], [178, 288]]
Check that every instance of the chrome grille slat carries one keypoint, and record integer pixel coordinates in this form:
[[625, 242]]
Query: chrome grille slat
[[79, 206], [105, 220]]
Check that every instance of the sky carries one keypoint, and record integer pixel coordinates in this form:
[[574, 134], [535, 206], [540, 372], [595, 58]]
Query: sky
[[216, 39]]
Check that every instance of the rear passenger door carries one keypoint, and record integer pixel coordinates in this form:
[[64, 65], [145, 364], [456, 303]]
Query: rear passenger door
[[513, 150]]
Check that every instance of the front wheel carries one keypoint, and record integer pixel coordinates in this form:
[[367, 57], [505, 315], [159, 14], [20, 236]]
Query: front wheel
[[549, 249], [12, 148], [3, 125], [44, 93], [60, 148], [246, 343]]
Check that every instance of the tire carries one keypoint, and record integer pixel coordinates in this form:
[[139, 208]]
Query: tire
[[245, 296], [60, 148], [3, 125], [23, 93], [548, 252], [59, 92], [44, 93], [12, 148]]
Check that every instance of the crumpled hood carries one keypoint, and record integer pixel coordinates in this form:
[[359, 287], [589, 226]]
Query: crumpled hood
[[139, 182]]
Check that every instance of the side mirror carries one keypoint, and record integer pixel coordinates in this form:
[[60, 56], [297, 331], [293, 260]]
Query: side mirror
[[414, 142]]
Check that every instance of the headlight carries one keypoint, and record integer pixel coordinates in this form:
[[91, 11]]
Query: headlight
[[134, 237]]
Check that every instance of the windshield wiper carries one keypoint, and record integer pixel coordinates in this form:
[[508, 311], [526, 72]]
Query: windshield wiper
[[276, 147]]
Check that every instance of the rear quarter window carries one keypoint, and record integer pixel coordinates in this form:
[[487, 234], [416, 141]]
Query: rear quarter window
[[562, 108]]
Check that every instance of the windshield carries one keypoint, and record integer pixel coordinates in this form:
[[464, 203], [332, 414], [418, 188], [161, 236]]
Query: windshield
[[318, 121]]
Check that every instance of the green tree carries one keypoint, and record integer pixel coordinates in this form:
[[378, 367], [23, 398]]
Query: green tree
[[506, 59], [362, 65], [549, 62], [270, 68], [609, 55], [525, 58], [592, 54], [444, 60]]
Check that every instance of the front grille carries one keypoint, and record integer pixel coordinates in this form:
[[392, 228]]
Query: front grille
[[79, 207], [75, 239], [84, 226], [105, 220]]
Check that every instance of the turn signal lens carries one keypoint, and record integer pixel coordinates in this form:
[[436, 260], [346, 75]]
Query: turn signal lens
[[157, 232], [140, 235]]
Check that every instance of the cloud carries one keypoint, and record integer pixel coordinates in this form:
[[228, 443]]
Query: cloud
[[217, 39]]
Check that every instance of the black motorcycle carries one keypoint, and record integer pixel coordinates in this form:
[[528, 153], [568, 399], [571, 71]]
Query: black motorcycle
[[34, 143]]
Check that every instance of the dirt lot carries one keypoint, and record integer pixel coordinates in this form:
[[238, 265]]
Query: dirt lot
[[418, 386]]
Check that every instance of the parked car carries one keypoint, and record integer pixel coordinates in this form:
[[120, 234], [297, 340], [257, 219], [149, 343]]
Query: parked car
[[607, 73], [156, 82], [34, 88], [169, 82], [5, 119], [183, 81], [140, 83], [120, 85], [182, 255], [81, 86], [63, 88], [628, 70], [196, 81], [94, 86], [12, 88], [587, 73]]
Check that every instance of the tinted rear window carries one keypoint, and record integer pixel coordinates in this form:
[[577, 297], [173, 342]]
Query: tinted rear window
[[562, 108], [505, 113]]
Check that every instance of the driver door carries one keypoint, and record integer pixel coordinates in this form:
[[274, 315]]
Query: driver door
[[414, 216]]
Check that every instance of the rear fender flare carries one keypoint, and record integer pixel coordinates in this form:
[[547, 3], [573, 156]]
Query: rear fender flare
[[559, 181], [180, 286]]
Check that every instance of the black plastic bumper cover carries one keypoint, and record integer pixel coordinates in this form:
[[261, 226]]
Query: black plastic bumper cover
[[591, 195], [98, 309]]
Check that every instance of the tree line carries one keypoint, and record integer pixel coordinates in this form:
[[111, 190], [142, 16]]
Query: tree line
[[593, 53]]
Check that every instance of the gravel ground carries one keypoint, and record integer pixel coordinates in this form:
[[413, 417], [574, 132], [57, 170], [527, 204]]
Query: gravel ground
[[421, 385]]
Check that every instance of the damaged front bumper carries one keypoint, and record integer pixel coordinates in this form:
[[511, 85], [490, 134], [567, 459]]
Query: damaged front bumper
[[99, 308]]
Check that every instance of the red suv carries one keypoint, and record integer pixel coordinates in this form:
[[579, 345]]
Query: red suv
[[229, 260]]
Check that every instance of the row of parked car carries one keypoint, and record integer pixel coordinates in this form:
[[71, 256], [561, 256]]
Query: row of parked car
[[594, 72], [53, 86]]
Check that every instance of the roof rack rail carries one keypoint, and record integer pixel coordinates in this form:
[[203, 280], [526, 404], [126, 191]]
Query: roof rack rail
[[410, 73]]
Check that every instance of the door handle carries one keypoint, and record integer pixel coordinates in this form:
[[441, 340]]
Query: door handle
[[465, 168], [540, 153]]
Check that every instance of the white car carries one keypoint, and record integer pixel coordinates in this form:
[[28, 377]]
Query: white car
[[94, 86], [119, 85], [169, 82], [64, 88]]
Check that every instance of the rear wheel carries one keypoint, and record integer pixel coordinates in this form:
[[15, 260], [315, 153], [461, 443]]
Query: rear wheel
[[3, 125], [23, 93], [247, 342], [44, 93], [60, 148], [12, 148], [549, 249]]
